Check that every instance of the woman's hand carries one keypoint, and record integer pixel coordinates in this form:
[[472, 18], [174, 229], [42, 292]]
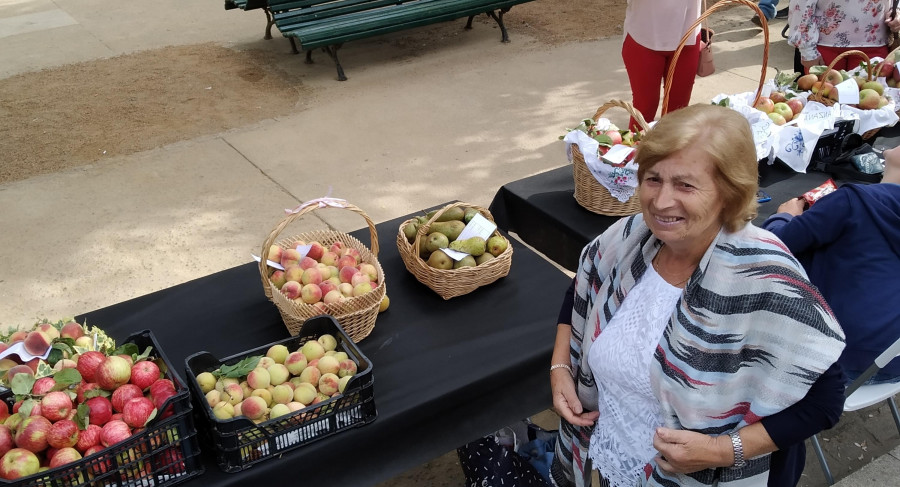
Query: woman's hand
[[565, 399], [792, 206], [892, 23], [819, 61], [682, 451]]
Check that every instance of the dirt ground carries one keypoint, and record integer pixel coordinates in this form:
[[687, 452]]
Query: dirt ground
[[82, 113]]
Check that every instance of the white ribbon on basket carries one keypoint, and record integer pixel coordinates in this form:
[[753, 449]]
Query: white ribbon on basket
[[621, 182], [322, 202]]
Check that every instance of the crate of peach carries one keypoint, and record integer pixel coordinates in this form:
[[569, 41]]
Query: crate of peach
[[80, 410], [261, 403], [324, 272]]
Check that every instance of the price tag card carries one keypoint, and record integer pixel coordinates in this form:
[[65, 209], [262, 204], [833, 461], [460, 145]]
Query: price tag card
[[453, 254], [619, 154], [478, 226], [848, 92], [303, 249], [268, 262]]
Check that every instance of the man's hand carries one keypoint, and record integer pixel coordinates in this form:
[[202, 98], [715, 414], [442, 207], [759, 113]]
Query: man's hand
[[792, 206], [682, 451]]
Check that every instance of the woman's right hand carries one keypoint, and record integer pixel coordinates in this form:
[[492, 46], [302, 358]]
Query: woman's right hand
[[812, 62], [565, 399]]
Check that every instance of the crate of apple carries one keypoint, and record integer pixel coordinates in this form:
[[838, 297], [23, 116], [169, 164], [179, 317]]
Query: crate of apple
[[97, 419], [318, 383]]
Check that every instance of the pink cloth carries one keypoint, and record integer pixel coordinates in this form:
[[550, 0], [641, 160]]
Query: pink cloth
[[659, 24]]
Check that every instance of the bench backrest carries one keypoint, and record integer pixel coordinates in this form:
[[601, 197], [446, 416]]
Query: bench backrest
[[320, 9]]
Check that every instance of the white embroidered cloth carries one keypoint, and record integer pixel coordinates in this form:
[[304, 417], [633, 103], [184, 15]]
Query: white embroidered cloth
[[622, 441], [620, 181]]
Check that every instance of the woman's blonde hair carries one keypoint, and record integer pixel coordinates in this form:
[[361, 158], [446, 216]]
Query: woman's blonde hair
[[725, 137]]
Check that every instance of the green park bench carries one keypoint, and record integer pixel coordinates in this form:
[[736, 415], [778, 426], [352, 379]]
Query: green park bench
[[253, 5], [327, 24]]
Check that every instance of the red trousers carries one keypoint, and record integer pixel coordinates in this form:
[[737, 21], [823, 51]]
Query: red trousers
[[829, 53], [647, 71]]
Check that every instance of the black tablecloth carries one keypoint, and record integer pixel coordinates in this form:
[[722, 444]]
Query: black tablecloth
[[446, 372], [542, 210]]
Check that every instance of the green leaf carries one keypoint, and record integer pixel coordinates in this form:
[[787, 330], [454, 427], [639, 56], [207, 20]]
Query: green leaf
[[96, 393], [82, 416], [67, 376], [150, 418], [239, 369], [143, 356], [43, 370], [126, 349], [55, 356], [64, 345], [22, 384], [604, 140], [27, 406]]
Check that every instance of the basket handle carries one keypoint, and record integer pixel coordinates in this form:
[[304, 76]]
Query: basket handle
[[421, 231], [303, 209], [667, 85], [856, 53], [634, 112]]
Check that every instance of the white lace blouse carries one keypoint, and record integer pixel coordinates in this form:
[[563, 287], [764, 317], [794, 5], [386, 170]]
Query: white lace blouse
[[622, 441]]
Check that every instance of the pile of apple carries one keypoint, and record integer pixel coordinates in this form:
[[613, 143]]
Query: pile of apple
[[86, 402], [281, 382], [779, 108], [609, 137], [322, 276]]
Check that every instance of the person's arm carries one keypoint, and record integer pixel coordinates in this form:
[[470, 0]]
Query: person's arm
[[818, 226], [804, 31], [683, 451], [562, 384], [565, 311]]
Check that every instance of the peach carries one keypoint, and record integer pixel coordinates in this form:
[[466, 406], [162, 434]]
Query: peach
[[233, 394], [278, 279], [282, 394], [305, 393], [321, 397], [49, 330], [18, 369], [223, 411], [328, 342], [346, 289], [295, 362], [295, 406], [313, 350], [327, 286], [346, 368], [277, 353], [265, 362], [307, 262], [325, 271], [37, 342], [328, 384], [293, 273], [358, 278], [289, 258], [361, 289], [346, 273], [311, 275], [64, 364], [333, 296], [311, 294], [346, 261], [329, 258], [278, 374], [311, 375], [341, 355], [337, 247], [320, 307], [279, 410], [265, 394], [352, 253], [275, 253], [254, 407], [316, 250], [246, 388], [328, 365], [17, 336], [342, 382], [259, 378], [369, 270], [291, 289], [207, 381], [213, 398]]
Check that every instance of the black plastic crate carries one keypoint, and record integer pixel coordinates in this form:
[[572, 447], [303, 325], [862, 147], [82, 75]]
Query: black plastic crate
[[166, 452], [239, 443]]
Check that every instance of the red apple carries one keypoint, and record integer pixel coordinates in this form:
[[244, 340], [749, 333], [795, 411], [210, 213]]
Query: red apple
[[123, 394], [7, 440], [56, 405], [88, 363], [137, 412], [32, 434], [18, 463], [114, 432], [113, 372], [765, 104], [777, 119], [82, 388], [65, 456], [101, 410], [796, 105], [88, 438], [42, 386], [63, 434], [144, 373]]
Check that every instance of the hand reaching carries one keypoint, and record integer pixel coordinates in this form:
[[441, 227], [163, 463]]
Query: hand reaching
[[682, 451], [792, 206]]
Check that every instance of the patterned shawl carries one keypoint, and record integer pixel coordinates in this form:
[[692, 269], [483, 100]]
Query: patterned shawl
[[747, 339]]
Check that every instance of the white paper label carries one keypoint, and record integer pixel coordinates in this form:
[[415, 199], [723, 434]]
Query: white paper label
[[303, 249], [848, 92], [618, 154], [478, 226], [268, 262]]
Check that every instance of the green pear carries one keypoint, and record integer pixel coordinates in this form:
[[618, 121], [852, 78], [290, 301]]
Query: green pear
[[467, 261], [410, 230], [436, 240], [496, 245], [440, 260], [455, 213], [485, 257], [451, 229], [473, 246], [470, 213]]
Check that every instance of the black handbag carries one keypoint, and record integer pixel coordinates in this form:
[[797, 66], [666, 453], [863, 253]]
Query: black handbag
[[494, 460]]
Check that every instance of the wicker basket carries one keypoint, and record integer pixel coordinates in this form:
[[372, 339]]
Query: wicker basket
[[356, 315], [592, 195], [454, 282], [870, 76]]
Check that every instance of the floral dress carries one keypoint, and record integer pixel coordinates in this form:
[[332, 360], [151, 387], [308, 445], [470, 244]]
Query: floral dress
[[837, 23]]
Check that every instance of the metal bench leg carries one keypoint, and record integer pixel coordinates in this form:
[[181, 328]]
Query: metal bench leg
[[469, 22], [499, 20], [308, 57], [269, 23], [821, 456], [332, 51], [294, 49]]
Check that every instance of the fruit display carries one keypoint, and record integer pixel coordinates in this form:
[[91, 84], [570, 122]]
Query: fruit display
[[71, 412], [318, 276], [256, 402], [443, 233], [607, 135]]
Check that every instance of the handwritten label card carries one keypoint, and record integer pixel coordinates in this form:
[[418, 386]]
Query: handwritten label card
[[478, 226], [618, 154], [848, 92]]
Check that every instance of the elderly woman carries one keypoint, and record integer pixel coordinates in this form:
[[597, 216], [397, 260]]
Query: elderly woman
[[692, 344]]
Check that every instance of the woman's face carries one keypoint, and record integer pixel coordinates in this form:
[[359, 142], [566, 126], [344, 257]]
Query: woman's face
[[681, 201]]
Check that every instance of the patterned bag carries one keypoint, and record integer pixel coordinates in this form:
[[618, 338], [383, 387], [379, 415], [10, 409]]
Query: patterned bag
[[492, 460]]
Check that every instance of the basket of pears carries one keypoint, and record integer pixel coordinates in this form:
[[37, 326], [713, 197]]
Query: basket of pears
[[432, 250]]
